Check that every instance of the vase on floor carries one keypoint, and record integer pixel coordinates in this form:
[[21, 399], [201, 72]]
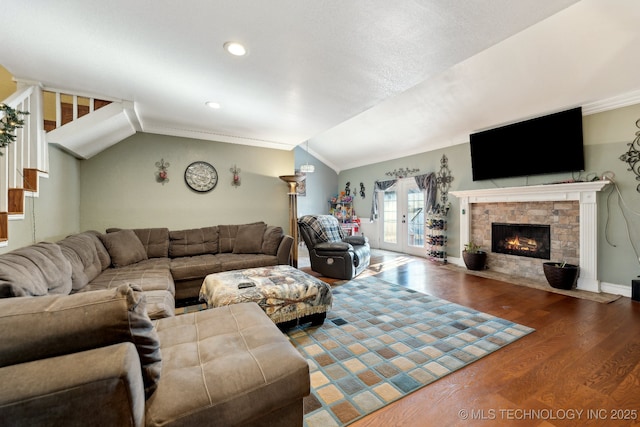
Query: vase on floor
[[474, 260], [561, 275]]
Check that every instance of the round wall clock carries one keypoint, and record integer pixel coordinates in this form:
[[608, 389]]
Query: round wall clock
[[201, 176]]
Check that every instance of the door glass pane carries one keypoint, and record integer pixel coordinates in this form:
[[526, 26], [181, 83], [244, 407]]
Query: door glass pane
[[415, 219], [390, 217]]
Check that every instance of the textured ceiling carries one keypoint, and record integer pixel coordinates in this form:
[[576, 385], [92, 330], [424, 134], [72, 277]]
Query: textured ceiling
[[362, 80]]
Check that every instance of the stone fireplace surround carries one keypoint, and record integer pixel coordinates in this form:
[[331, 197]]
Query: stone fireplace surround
[[574, 237]]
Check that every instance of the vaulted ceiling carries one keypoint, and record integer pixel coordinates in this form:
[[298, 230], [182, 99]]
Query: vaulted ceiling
[[362, 80]]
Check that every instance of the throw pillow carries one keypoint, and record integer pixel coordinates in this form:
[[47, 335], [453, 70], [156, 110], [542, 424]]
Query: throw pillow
[[228, 236], [249, 239], [55, 325], [154, 240], [124, 247], [271, 241]]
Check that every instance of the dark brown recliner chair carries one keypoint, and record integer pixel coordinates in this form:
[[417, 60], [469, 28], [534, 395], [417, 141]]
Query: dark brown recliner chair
[[331, 253]]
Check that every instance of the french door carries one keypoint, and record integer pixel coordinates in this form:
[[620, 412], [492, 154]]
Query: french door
[[402, 218]]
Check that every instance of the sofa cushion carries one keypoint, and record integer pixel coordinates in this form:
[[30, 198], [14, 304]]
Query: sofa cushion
[[226, 366], [241, 261], [100, 387], [154, 240], [196, 241], [228, 236], [35, 270], [273, 235], [149, 279], [53, 325], [124, 248], [80, 250], [194, 267], [249, 239]]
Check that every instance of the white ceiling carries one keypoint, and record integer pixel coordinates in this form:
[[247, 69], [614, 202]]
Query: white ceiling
[[363, 80]]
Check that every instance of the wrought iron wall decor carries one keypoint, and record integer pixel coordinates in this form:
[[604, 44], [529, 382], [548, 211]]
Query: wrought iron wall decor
[[162, 175], [632, 156], [402, 172], [444, 179], [362, 190]]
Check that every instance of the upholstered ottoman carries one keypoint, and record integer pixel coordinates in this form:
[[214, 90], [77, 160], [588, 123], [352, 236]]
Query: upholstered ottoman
[[287, 295]]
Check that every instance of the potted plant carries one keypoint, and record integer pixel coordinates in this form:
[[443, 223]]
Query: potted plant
[[561, 275], [474, 257]]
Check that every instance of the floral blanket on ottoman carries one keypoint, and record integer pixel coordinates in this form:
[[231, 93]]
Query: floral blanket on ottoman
[[284, 293]]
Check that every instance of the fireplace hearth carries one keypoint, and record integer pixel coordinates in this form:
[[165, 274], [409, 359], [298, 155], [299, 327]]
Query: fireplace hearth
[[528, 240]]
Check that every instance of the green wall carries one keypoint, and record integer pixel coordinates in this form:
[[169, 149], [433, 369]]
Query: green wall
[[119, 187], [55, 213]]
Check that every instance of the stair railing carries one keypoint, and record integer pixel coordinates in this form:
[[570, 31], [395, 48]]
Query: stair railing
[[29, 151], [78, 104]]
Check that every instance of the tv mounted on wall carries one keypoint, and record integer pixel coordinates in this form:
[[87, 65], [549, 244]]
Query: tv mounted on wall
[[543, 145]]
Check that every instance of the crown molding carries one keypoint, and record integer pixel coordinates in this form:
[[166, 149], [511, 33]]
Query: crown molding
[[619, 101]]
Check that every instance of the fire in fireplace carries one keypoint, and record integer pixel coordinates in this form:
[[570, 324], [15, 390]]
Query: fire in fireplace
[[529, 240]]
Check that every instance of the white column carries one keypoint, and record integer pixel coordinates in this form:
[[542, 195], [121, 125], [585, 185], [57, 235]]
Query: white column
[[588, 279], [465, 222]]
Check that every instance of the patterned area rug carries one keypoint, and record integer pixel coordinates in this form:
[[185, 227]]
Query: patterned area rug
[[382, 341]]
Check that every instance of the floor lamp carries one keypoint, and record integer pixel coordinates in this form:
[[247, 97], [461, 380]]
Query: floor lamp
[[293, 180]]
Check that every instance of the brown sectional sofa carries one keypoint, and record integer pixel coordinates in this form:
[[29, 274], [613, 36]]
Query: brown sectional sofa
[[169, 265], [96, 358], [87, 351]]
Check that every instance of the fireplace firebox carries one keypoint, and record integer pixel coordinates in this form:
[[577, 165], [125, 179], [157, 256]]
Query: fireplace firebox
[[528, 240]]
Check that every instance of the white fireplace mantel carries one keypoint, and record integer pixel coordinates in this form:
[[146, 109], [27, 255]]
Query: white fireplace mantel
[[584, 192]]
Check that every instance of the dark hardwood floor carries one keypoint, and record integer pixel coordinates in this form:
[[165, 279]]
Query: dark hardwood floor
[[581, 367]]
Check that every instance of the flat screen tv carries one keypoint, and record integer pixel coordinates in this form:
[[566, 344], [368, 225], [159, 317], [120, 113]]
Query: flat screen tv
[[543, 145]]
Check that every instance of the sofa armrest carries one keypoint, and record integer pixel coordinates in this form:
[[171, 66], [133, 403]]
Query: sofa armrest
[[76, 389], [284, 250]]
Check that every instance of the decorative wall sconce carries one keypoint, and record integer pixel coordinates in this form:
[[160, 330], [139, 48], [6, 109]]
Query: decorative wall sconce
[[162, 175], [236, 176], [402, 172], [632, 156]]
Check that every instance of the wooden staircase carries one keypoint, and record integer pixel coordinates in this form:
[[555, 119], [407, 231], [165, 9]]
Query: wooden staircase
[[26, 160]]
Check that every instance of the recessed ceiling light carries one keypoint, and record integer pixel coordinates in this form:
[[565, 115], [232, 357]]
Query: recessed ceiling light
[[212, 104], [235, 48]]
